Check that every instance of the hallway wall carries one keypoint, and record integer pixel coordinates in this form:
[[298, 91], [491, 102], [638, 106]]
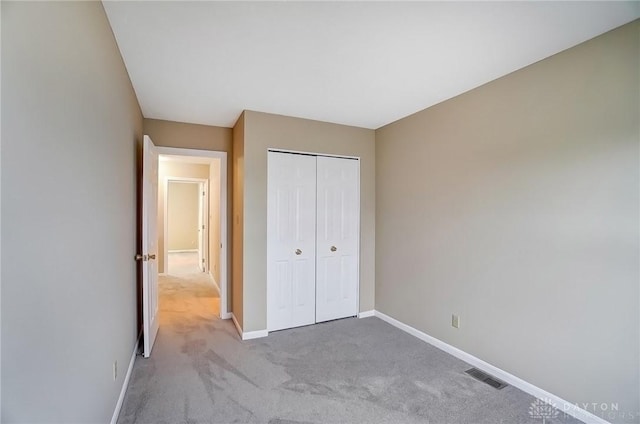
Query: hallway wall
[[182, 215], [215, 232]]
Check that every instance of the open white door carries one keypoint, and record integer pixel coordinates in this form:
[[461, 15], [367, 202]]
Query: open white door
[[149, 244]]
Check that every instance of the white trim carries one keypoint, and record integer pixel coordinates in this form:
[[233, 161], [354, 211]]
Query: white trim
[[125, 383], [359, 212], [366, 314], [183, 251], [258, 334], [178, 151], [248, 335], [561, 404], [300, 152], [222, 156], [186, 179]]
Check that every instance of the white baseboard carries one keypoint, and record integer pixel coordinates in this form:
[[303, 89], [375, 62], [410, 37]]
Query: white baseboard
[[366, 314], [226, 315], [125, 383], [561, 404], [248, 335]]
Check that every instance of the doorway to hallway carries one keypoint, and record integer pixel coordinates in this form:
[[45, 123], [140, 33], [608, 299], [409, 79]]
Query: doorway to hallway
[[192, 224]]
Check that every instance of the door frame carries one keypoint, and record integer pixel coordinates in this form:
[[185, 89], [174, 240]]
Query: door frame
[[357, 158], [203, 184], [300, 152], [224, 236]]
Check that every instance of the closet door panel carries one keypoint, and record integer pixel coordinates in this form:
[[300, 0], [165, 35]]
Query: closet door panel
[[291, 240], [338, 233]]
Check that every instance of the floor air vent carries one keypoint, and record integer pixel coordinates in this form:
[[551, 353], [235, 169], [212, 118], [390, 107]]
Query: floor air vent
[[486, 378]]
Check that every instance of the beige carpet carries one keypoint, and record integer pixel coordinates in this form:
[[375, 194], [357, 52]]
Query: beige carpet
[[185, 296], [180, 263], [347, 371]]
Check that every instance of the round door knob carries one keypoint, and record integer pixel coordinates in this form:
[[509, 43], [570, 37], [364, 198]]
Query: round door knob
[[333, 248], [298, 252]]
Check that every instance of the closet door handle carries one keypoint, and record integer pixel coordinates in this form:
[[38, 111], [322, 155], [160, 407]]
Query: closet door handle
[[298, 252], [333, 248]]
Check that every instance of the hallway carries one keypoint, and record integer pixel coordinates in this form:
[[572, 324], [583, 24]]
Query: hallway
[[186, 298], [189, 310], [181, 263]]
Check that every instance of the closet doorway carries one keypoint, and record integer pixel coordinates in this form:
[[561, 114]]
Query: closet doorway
[[313, 233]]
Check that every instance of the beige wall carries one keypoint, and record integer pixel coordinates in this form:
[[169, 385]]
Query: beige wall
[[263, 131], [71, 129], [188, 136], [167, 169], [237, 294], [515, 205], [182, 216], [215, 235]]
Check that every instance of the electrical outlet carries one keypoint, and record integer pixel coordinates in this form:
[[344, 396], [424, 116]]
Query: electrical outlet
[[455, 321], [115, 370]]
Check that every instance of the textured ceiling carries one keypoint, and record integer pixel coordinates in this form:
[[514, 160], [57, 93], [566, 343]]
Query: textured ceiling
[[354, 63]]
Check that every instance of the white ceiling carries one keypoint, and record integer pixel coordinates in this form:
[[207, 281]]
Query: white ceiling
[[354, 63]]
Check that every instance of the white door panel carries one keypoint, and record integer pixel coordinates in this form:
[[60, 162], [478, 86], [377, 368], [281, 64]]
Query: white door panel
[[291, 205], [338, 215], [149, 245]]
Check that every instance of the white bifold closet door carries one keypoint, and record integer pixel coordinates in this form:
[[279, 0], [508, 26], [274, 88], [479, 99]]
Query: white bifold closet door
[[291, 235], [337, 235], [313, 228]]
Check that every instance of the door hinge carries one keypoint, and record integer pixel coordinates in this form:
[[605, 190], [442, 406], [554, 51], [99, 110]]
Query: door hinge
[[203, 226], [202, 260]]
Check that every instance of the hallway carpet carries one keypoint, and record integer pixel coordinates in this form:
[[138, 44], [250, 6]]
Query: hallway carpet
[[346, 371], [180, 263]]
